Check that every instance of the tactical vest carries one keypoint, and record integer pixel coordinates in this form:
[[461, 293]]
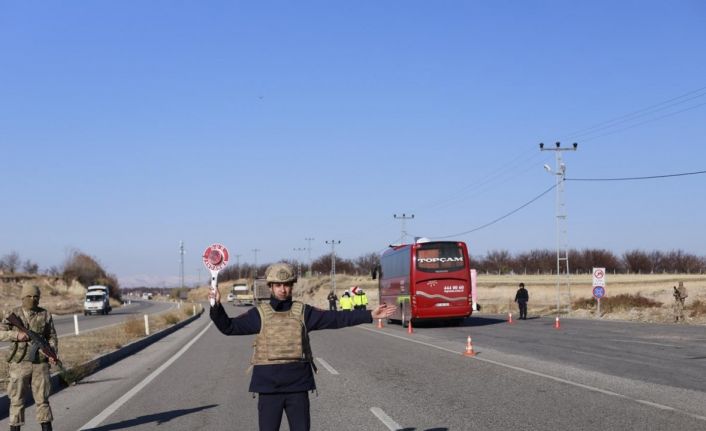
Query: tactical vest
[[283, 337], [19, 349]]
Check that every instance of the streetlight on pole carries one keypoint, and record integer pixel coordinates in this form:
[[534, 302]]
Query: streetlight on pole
[[562, 241], [333, 243], [309, 240], [404, 219], [255, 250], [237, 263], [299, 260]]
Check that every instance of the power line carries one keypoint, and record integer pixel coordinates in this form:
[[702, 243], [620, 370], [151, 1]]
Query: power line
[[643, 122], [651, 177], [636, 114], [501, 217]]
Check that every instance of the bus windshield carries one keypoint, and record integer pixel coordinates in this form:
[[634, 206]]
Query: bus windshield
[[440, 257]]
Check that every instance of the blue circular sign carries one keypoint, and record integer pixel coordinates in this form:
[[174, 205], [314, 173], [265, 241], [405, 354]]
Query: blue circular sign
[[598, 292]]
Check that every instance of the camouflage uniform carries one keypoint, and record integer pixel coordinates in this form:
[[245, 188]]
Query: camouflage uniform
[[680, 296], [25, 374]]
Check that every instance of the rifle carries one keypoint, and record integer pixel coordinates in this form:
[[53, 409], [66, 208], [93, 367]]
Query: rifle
[[38, 343]]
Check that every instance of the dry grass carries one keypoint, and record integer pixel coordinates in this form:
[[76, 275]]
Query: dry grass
[[622, 302], [75, 351], [496, 294], [697, 309]]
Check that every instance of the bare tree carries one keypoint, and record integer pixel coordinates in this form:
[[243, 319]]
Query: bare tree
[[366, 263], [30, 267], [638, 262], [10, 262]]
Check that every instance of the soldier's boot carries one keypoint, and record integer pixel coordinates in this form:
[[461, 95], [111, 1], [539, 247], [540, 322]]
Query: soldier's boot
[[14, 428], [46, 426]]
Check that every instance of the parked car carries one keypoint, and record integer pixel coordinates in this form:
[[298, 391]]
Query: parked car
[[231, 297]]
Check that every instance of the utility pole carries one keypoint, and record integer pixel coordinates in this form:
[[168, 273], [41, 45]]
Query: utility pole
[[404, 219], [181, 267], [309, 240], [199, 270], [255, 250], [299, 260], [333, 243], [562, 241], [237, 263]]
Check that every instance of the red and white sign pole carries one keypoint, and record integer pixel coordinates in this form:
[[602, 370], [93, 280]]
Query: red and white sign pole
[[215, 258]]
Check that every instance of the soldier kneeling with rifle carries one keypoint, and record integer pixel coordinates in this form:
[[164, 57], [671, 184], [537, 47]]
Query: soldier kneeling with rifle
[[30, 328]]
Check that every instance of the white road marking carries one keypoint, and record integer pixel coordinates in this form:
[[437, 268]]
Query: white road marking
[[385, 419], [327, 366], [536, 373], [644, 342], [132, 392]]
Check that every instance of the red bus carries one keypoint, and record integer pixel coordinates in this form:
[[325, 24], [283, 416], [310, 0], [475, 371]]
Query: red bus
[[428, 280]]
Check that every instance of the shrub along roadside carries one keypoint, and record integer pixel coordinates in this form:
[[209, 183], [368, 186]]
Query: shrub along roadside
[[622, 302]]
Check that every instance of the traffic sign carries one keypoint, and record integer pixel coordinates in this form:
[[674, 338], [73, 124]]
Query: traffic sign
[[215, 257], [599, 276], [598, 292]]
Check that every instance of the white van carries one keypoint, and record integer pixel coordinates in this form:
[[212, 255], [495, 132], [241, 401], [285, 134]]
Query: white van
[[97, 301]]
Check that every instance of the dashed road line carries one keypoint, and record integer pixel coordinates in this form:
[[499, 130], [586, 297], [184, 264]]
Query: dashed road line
[[327, 366], [644, 342], [385, 419]]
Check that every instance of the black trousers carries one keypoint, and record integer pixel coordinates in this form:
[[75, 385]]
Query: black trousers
[[332, 305], [523, 309], [295, 404]]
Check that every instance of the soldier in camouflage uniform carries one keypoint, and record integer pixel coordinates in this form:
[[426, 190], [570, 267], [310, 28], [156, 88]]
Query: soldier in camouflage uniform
[[26, 375], [282, 360], [680, 296]]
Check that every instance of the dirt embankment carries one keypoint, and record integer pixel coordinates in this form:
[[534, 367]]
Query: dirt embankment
[[57, 296]]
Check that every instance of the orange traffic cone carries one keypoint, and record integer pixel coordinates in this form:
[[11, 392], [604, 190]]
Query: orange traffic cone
[[379, 324], [469, 348], [409, 328], [509, 318], [557, 325]]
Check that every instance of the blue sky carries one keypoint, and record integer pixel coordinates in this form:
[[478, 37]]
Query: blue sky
[[126, 127]]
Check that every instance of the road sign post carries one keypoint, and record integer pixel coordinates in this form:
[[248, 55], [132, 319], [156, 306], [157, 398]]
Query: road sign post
[[598, 287], [215, 258]]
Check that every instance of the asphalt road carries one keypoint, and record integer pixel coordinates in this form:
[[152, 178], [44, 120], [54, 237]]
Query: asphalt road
[[64, 324], [587, 375]]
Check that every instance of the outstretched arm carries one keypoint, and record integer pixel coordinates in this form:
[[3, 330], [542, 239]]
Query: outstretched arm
[[383, 311]]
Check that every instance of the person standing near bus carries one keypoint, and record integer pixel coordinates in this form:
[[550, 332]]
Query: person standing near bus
[[332, 298], [346, 301], [282, 361], [522, 297], [360, 299]]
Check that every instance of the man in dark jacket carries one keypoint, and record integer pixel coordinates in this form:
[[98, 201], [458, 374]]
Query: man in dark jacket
[[522, 297], [332, 298], [282, 361]]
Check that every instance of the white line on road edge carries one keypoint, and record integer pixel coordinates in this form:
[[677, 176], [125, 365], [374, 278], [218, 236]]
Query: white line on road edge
[[385, 419], [122, 400], [644, 342], [546, 376], [327, 366]]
